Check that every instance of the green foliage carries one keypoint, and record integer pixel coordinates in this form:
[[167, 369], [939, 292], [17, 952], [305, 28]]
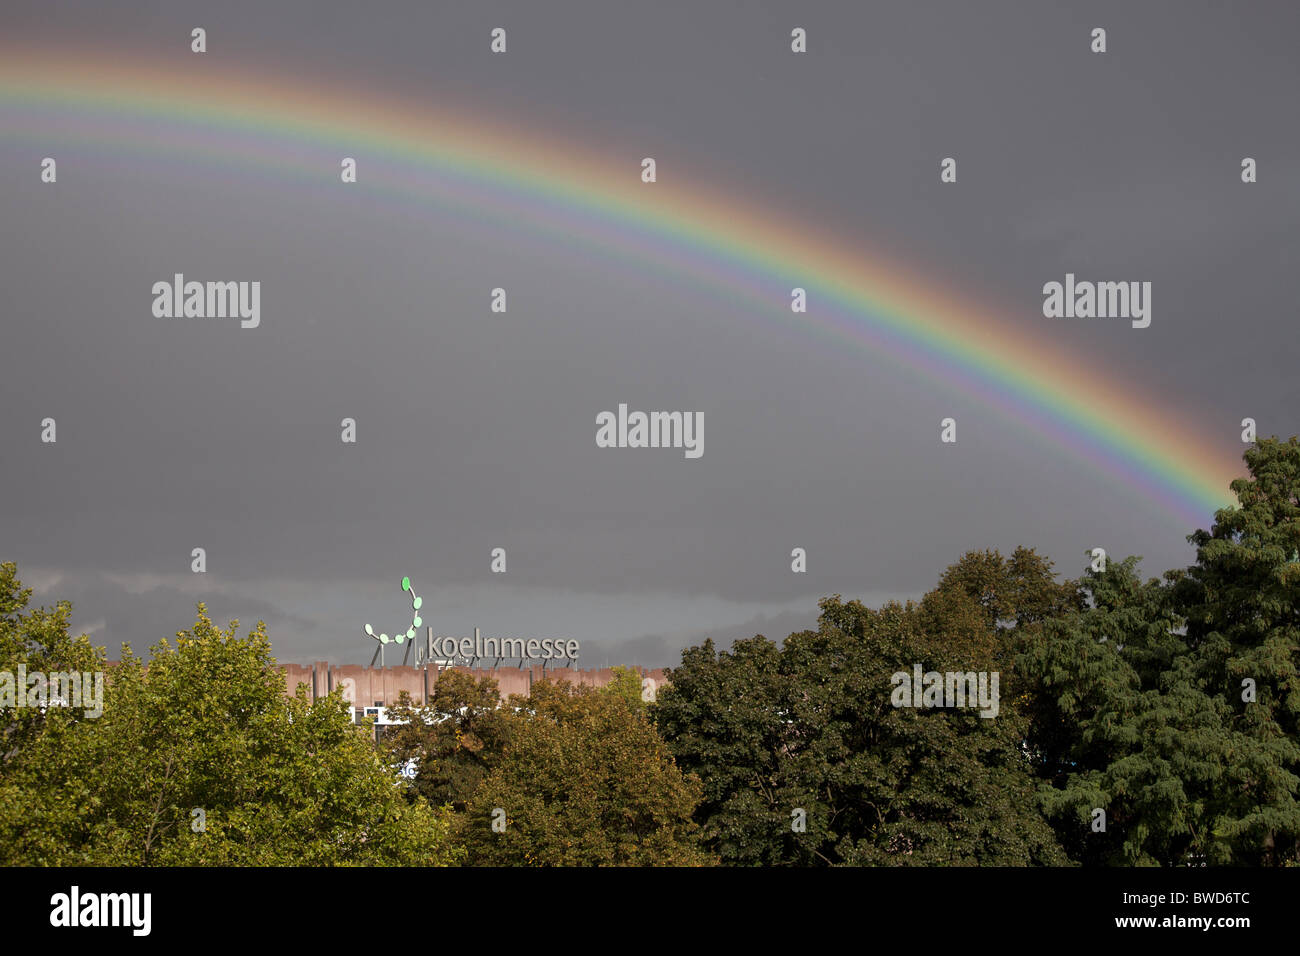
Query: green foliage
[[205, 725], [1241, 601], [456, 740], [626, 685], [1115, 727], [721, 717], [1171, 704], [810, 727], [1137, 701], [585, 781]]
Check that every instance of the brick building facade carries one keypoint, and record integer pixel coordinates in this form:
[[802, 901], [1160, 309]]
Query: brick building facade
[[379, 686]]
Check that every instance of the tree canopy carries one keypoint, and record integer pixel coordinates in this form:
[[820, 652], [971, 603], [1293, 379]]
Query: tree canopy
[[198, 758], [1007, 717]]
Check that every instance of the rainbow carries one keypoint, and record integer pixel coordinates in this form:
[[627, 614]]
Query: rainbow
[[460, 161]]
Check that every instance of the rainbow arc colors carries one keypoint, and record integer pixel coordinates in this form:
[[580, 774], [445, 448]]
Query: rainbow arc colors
[[188, 110]]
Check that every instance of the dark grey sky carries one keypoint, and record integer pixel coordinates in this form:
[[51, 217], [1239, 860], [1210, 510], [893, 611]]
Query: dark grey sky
[[477, 430]]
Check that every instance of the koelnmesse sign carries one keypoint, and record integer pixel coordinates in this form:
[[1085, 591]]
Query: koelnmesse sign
[[470, 650]]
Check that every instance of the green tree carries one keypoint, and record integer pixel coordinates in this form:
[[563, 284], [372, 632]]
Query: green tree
[[1136, 701], [722, 715], [627, 685], [204, 726], [805, 759], [1011, 592], [585, 781], [1241, 600], [455, 740], [1116, 726]]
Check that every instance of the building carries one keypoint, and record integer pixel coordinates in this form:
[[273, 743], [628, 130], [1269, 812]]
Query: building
[[368, 688]]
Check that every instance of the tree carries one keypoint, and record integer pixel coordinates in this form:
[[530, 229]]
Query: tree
[[627, 685], [455, 740], [1116, 727], [1138, 702], [1241, 600], [585, 781], [805, 759], [721, 715], [198, 758], [1011, 592]]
